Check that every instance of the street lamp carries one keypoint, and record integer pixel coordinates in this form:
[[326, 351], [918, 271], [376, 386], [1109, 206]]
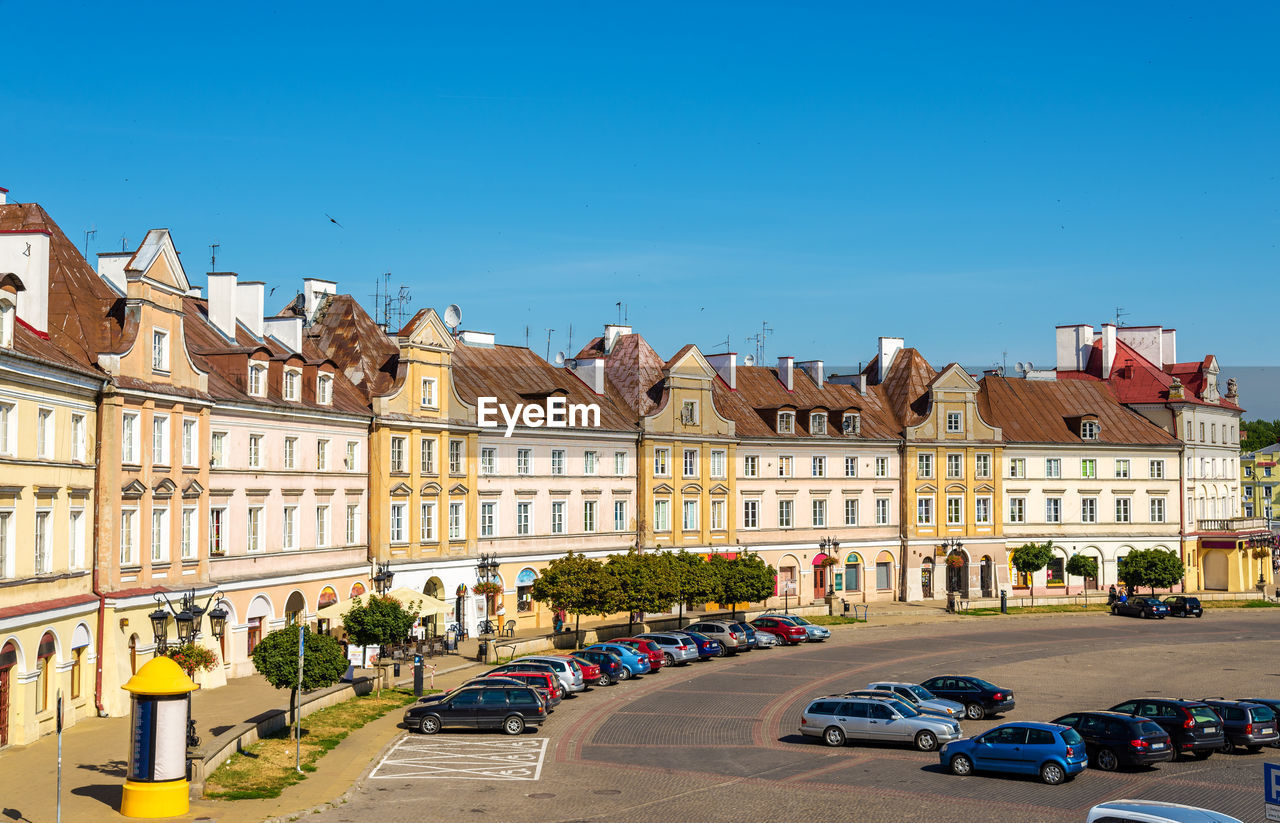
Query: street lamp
[[485, 568], [160, 628], [382, 579], [832, 544], [186, 617]]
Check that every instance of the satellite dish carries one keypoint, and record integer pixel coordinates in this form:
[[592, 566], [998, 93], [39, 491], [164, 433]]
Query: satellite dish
[[559, 358], [452, 316], [1030, 367], [749, 360], [1021, 367]]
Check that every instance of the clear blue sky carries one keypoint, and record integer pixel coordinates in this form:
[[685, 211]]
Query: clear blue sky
[[962, 176]]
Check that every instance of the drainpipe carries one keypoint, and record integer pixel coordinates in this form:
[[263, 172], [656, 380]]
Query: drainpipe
[[97, 589]]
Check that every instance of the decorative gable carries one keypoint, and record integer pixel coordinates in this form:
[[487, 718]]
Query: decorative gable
[[133, 490], [400, 490]]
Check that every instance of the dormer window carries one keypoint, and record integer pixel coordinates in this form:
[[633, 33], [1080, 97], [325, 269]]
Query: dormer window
[[954, 423], [8, 311], [429, 400], [159, 350], [852, 424], [292, 384], [818, 423], [786, 422], [257, 379], [1089, 430], [324, 390], [689, 413]]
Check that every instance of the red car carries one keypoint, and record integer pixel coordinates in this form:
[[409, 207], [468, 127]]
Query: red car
[[590, 671], [783, 630], [648, 647]]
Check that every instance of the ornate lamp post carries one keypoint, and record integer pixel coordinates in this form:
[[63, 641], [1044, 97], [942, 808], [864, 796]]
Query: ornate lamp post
[[187, 618], [824, 544], [485, 569], [382, 578]]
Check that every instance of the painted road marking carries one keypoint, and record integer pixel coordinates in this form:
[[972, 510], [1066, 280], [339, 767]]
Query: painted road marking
[[437, 758]]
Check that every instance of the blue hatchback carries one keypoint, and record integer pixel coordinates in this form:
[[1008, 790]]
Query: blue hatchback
[[1054, 752], [634, 661], [706, 646]]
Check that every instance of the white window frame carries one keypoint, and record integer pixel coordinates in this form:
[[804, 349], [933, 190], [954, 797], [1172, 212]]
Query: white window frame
[[1088, 468], [129, 537], [982, 510], [955, 466], [78, 438], [982, 465], [851, 511], [818, 512], [662, 462], [689, 463], [396, 456], [882, 467], [924, 510], [883, 511], [218, 449], [1156, 508], [750, 513], [620, 463], [1155, 469], [488, 460], [719, 461], [955, 510], [1124, 469], [457, 456], [924, 464], [190, 433], [590, 463], [397, 522], [786, 513], [46, 433], [290, 453], [689, 515], [255, 451], [1053, 510], [786, 422], [1089, 509], [254, 517], [955, 422], [257, 380], [75, 539], [352, 527], [217, 531], [289, 528], [1017, 467], [619, 515], [488, 518], [524, 461], [717, 515], [818, 466], [427, 521], [1017, 512], [427, 455], [324, 389], [1124, 510], [817, 423], [1053, 468], [190, 533], [589, 516], [786, 465], [352, 461], [160, 440], [292, 388], [428, 397], [160, 351], [751, 465], [8, 429], [524, 517], [42, 541], [1089, 430], [557, 517], [457, 520], [850, 466], [662, 516], [322, 526], [559, 462], [322, 455]]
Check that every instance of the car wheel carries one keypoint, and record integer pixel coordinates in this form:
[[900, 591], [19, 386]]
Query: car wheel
[[624, 673], [668, 659], [513, 724], [1052, 774], [961, 765], [974, 711], [1114, 611], [1203, 754], [720, 652], [1145, 614], [926, 741], [833, 736], [429, 725], [1227, 746], [1106, 760]]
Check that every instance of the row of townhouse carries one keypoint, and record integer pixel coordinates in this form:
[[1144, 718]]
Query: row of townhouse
[[159, 437]]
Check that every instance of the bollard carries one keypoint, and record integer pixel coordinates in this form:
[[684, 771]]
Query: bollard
[[1004, 602], [417, 675]]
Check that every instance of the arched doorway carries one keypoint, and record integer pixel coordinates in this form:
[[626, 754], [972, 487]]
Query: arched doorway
[[986, 576], [434, 588], [295, 608], [853, 572], [524, 590], [958, 573], [46, 658], [327, 598], [820, 567], [786, 580], [1216, 571], [260, 609], [8, 661], [926, 578]]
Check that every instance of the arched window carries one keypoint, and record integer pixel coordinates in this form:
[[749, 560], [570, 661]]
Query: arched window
[[853, 572], [44, 669], [524, 590]]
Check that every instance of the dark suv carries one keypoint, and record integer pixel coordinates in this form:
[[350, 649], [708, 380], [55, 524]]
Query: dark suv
[[505, 707], [1113, 739], [1194, 727], [1183, 606], [979, 697], [1252, 725]]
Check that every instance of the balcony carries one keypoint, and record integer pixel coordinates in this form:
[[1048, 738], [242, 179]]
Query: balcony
[[1232, 524]]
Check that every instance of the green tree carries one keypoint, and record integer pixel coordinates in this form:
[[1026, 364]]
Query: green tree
[[578, 585], [1153, 568], [744, 579], [276, 658], [694, 579], [380, 622], [1030, 558], [1259, 434], [1083, 565], [642, 583]]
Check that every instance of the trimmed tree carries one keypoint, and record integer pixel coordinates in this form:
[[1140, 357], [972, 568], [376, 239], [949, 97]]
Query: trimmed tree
[[1153, 568], [1084, 566], [1030, 558], [642, 583], [744, 579], [578, 585], [380, 622], [694, 579], [276, 659]]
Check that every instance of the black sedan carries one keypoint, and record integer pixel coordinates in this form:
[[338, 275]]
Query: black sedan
[[1114, 739], [1183, 606], [978, 697], [501, 706], [1140, 607]]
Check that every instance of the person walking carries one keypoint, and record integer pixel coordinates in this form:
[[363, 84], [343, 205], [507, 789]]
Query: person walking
[[1111, 594]]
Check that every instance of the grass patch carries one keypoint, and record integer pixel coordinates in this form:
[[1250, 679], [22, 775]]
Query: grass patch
[[834, 619], [266, 768], [1239, 604], [1057, 608]]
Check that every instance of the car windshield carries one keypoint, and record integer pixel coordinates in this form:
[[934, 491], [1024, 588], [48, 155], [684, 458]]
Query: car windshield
[[1263, 714], [698, 636], [921, 692], [1204, 714], [906, 709], [1072, 737]]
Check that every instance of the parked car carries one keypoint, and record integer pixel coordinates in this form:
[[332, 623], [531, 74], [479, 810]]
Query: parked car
[[1252, 725], [978, 697], [745, 628], [1154, 811], [787, 633], [1054, 752], [611, 669], [1265, 701], [839, 718], [569, 676], [676, 648], [888, 697], [763, 639], [1113, 739], [646, 647], [549, 687], [1141, 607], [1194, 727], [813, 632], [706, 646], [526, 666], [920, 697], [722, 631], [590, 671], [634, 662], [1181, 605], [499, 706]]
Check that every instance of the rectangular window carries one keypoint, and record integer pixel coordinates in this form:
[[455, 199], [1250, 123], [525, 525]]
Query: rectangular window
[[188, 442], [458, 523], [620, 463], [882, 467], [619, 515], [322, 526], [982, 466], [397, 455], [217, 521], [428, 455], [322, 455], [982, 511], [77, 438], [689, 412], [75, 541], [851, 511], [924, 511], [1089, 430], [290, 529], [817, 423], [524, 461], [426, 523], [751, 466], [130, 452], [8, 437], [396, 524], [819, 513], [291, 452], [1017, 510], [750, 514], [882, 511], [1157, 510], [557, 516], [255, 451], [819, 466], [953, 423], [924, 464], [324, 390], [1088, 510], [257, 377], [589, 463], [1053, 510], [1089, 468], [217, 449], [7, 559], [188, 548], [1122, 469], [717, 515], [292, 384], [353, 535], [159, 351], [160, 439], [786, 422], [589, 516], [487, 512], [718, 458], [884, 575], [253, 529], [1155, 468], [955, 466], [352, 460], [690, 520], [1018, 467], [455, 457], [43, 544], [784, 514], [488, 460], [850, 466], [1053, 467], [1122, 510], [159, 535], [660, 462], [662, 515], [955, 510], [428, 396], [128, 537], [784, 465], [557, 461], [690, 462]]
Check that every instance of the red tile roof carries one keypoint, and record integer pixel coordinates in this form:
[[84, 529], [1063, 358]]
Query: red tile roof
[[1038, 411], [23, 609], [1136, 379], [907, 386]]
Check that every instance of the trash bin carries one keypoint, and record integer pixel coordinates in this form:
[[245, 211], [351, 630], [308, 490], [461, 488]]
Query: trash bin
[[483, 653], [1004, 602]]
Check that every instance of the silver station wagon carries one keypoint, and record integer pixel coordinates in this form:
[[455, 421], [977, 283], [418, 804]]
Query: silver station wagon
[[837, 719]]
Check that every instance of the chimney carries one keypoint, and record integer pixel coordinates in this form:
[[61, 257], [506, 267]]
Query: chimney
[[1108, 348], [249, 305], [196, 292], [612, 332], [288, 330], [313, 289], [1145, 340], [111, 268], [3, 196], [222, 302], [479, 339], [888, 350], [1169, 346], [862, 384], [589, 371], [786, 367], [1073, 345], [26, 254], [726, 365], [815, 370]]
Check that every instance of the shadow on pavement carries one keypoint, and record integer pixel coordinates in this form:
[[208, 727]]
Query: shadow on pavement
[[14, 814], [112, 768], [107, 794]]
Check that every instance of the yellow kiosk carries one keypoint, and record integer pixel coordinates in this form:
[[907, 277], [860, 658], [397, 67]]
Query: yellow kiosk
[[157, 783]]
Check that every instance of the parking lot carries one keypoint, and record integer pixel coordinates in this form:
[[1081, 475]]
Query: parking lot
[[718, 741]]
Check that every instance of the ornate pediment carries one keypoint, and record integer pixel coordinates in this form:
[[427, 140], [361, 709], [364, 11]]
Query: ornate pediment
[[400, 490], [133, 490], [458, 489], [165, 488], [719, 488], [663, 488], [193, 489], [430, 488], [691, 488]]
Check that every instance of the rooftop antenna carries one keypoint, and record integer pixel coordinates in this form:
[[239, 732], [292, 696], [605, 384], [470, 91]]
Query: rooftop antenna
[[1120, 312], [619, 305], [213, 256], [526, 336], [402, 300], [727, 344], [570, 346], [549, 343], [625, 316], [759, 337], [124, 243], [88, 233]]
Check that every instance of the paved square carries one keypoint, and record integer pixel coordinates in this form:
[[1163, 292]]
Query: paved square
[[438, 758]]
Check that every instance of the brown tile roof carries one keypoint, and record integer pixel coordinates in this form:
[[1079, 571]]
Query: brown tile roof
[[634, 369], [23, 609], [907, 386], [36, 345], [358, 345], [1038, 411], [760, 394]]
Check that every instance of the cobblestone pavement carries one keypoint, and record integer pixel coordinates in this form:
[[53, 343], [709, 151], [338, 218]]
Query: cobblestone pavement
[[717, 740]]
